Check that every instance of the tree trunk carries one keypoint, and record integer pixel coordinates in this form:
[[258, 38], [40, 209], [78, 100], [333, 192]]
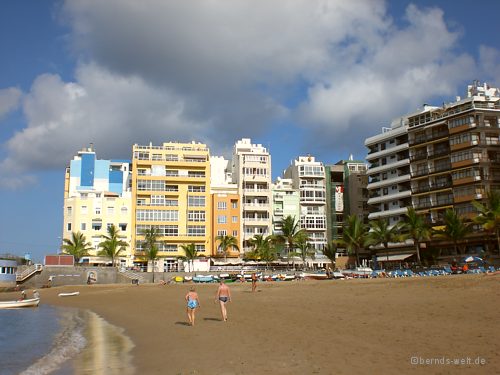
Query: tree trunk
[[356, 251], [417, 246]]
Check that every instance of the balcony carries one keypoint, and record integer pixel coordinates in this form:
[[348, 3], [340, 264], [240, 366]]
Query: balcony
[[256, 206], [387, 151], [389, 197], [387, 166]]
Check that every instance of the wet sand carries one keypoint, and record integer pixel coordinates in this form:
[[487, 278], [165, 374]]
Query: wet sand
[[309, 327]]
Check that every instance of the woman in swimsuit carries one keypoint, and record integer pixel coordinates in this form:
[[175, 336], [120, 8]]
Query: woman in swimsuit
[[192, 304], [223, 295]]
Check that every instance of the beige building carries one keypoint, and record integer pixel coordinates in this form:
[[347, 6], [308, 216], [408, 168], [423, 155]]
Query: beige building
[[97, 195]]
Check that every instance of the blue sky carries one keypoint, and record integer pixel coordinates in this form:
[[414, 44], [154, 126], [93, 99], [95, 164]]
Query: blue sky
[[310, 76]]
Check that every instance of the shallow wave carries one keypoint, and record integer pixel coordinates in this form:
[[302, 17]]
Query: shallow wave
[[67, 344]]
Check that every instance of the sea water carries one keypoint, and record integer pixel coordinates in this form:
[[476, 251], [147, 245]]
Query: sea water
[[38, 340]]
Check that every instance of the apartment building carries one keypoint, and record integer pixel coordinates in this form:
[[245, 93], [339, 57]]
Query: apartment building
[[455, 153], [97, 194], [286, 202], [389, 176], [346, 194], [171, 192], [251, 172], [308, 177], [225, 202]]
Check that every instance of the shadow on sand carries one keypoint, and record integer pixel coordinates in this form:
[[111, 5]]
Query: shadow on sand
[[213, 319], [183, 324]]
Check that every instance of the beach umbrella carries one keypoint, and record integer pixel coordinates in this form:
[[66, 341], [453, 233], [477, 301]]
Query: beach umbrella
[[472, 259]]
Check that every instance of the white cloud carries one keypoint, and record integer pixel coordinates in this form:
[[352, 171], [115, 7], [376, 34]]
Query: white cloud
[[9, 100], [215, 71]]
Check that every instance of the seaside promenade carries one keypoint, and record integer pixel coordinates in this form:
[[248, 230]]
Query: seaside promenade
[[374, 326]]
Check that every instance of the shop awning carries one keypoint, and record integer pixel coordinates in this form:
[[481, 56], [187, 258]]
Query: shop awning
[[393, 257]]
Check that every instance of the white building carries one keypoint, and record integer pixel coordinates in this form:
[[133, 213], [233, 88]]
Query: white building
[[97, 194], [389, 172], [251, 171], [308, 176]]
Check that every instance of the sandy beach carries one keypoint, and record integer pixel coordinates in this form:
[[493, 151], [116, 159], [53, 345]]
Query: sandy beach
[[374, 326]]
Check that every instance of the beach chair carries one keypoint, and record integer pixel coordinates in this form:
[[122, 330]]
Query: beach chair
[[447, 270], [409, 273], [491, 269]]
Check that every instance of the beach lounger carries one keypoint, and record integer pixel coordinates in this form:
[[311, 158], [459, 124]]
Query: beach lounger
[[491, 269]]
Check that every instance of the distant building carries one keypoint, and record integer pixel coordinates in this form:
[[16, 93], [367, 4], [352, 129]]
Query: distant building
[[286, 202], [346, 193], [225, 202], [251, 171], [389, 172], [308, 177], [171, 192], [96, 195]]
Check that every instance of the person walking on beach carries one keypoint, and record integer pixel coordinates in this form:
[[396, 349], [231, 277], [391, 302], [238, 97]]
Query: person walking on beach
[[254, 282], [223, 296], [192, 304]]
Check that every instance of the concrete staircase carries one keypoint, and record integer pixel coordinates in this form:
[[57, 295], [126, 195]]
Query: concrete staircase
[[132, 276], [28, 272]]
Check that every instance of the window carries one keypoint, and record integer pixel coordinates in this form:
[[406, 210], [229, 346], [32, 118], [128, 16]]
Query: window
[[234, 219], [83, 226], [222, 232], [69, 227], [84, 210], [221, 219], [96, 225], [98, 210], [234, 204], [124, 210], [196, 215], [221, 205], [235, 233], [123, 226], [199, 248], [157, 215], [196, 201], [196, 189], [196, 230], [111, 210], [69, 210], [196, 174]]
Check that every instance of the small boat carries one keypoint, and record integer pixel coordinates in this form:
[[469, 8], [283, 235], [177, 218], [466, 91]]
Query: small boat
[[313, 276], [69, 294], [203, 279], [33, 302], [188, 278], [178, 279], [358, 272]]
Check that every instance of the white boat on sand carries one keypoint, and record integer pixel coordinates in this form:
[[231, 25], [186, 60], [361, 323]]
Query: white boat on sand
[[33, 302], [69, 294]]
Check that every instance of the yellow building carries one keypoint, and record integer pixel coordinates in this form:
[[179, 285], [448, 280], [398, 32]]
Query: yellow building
[[171, 192]]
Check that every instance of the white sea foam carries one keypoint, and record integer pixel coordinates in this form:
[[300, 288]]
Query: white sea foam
[[67, 344]]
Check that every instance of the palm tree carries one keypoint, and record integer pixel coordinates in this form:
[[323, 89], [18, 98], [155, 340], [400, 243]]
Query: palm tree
[[354, 234], [226, 243], [291, 234], [455, 229], [416, 228], [76, 246], [267, 253], [112, 245], [150, 246], [489, 214], [330, 251], [190, 254], [305, 249], [381, 233]]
